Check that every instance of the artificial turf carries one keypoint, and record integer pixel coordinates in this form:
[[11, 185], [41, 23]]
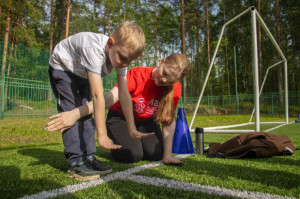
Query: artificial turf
[[32, 161]]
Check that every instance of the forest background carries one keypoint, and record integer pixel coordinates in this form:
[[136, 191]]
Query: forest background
[[186, 26]]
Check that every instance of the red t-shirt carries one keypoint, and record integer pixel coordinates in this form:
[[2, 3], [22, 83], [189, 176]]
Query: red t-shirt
[[144, 93]]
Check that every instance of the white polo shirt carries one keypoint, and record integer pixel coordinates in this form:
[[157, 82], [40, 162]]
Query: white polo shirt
[[81, 53]]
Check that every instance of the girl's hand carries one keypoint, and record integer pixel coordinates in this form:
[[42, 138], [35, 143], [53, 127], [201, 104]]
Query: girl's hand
[[138, 135], [62, 121], [171, 160], [106, 143]]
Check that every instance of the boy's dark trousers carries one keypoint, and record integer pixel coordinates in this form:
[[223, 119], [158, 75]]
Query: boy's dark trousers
[[71, 92]]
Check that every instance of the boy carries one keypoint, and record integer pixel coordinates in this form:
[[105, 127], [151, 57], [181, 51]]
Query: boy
[[76, 67]]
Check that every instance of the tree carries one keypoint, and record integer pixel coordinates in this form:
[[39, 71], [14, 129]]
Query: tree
[[207, 32], [155, 33], [51, 28], [292, 13], [7, 29], [108, 18], [62, 18], [183, 45], [278, 39], [226, 51], [198, 66], [67, 19], [0, 18], [208, 42], [182, 27], [259, 46]]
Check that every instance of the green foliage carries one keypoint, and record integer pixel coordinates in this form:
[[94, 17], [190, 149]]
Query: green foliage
[[30, 26], [27, 63]]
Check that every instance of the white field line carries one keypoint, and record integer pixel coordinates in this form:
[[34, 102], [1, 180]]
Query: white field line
[[85, 185], [174, 184], [128, 175]]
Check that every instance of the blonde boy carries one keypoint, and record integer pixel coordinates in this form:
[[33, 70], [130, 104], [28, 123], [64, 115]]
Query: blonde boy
[[77, 66]]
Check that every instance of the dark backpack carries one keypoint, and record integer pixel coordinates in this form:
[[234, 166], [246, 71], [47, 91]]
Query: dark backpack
[[252, 145]]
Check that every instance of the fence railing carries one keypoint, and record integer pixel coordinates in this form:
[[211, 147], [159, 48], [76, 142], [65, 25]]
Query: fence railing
[[22, 98], [26, 98], [31, 98], [271, 104]]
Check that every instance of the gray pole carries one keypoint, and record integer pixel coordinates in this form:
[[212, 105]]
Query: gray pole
[[255, 69], [286, 93]]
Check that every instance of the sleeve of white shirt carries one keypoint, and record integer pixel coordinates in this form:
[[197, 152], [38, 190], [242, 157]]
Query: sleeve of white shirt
[[121, 71], [92, 59]]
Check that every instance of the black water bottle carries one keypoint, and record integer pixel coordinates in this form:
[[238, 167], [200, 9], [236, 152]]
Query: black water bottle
[[199, 140]]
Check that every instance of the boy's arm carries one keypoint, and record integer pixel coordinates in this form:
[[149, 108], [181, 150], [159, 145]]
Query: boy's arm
[[63, 121], [126, 104], [168, 134], [99, 111]]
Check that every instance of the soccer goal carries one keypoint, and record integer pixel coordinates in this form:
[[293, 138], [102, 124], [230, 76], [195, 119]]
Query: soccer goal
[[257, 91]]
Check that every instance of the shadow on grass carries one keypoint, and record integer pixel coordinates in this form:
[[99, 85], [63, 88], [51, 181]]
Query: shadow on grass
[[227, 172], [28, 145], [13, 186], [55, 159], [103, 153], [105, 156], [283, 160]]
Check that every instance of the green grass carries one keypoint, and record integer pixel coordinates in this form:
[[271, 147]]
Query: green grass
[[32, 160]]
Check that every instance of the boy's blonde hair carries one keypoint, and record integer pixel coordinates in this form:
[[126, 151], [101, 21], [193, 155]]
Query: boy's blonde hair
[[130, 35]]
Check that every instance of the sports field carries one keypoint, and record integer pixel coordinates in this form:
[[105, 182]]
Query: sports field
[[32, 165]]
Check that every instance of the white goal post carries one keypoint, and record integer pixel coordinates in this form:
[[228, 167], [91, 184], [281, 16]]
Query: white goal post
[[254, 17]]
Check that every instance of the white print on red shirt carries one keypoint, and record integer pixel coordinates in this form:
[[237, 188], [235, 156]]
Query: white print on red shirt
[[152, 106], [139, 108]]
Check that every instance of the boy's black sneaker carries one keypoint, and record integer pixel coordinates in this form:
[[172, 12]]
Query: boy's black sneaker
[[82, 171], [98, 165]]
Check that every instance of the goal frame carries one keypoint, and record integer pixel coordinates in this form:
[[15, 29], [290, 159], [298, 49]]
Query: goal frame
[[257, 91]]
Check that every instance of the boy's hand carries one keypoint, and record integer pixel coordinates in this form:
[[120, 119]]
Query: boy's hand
[[62, 121], [138, 135], [106, 143]]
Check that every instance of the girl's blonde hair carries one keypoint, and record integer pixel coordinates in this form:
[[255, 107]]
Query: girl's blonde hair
[[131, 36], [165, 112]]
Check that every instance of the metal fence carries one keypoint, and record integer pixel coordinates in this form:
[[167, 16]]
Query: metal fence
[[271, 104], [22, 98], [26, 98]]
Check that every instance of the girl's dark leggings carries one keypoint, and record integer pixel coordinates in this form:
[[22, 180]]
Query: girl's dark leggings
[[133, 150]]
